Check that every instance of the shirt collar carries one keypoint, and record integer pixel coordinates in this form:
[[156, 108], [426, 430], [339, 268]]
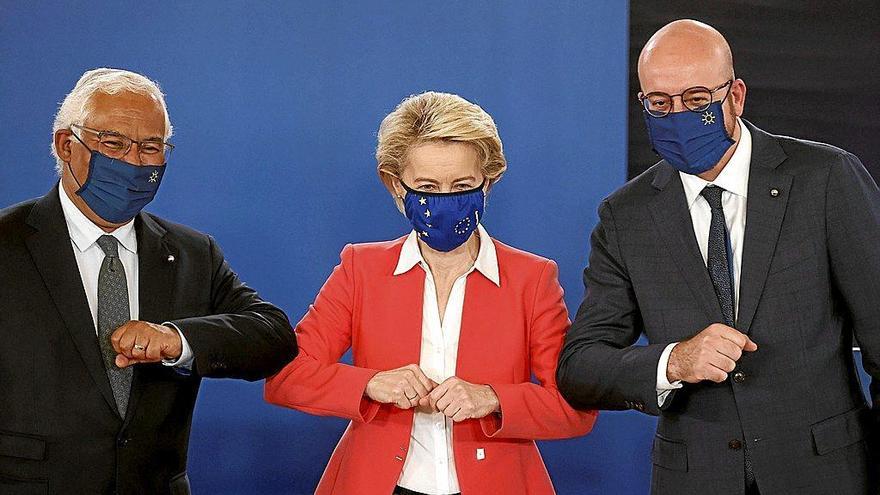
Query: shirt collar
[[735, 176], [486, 262], [84, 233]]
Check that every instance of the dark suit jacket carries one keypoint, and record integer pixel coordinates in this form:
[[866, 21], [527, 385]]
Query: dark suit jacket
[[60, 431], [810, 280]]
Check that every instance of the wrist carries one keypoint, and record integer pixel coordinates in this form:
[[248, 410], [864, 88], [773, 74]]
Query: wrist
[[493, 399], [672, 373], [174, 349]]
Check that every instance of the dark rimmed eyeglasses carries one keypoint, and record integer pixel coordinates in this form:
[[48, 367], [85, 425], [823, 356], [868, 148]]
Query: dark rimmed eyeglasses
[[116, 145], [695, 99]]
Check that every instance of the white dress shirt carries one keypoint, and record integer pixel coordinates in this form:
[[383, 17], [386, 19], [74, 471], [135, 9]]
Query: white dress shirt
[[430, 463], [89, 257], [734, 179]]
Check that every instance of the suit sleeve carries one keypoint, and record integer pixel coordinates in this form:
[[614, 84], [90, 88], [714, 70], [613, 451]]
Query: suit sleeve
[[537, 410], [316, 382], [601, 367], [853, 239], [244, 336]]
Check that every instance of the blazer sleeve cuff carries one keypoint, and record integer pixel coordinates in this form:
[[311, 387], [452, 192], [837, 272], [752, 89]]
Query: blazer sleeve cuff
[[362, 408], [509, 404], [639, 386]]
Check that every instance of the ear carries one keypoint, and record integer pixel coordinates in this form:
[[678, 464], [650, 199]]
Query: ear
[[488, 183], [738, 92], [394, 186], [63, 140]]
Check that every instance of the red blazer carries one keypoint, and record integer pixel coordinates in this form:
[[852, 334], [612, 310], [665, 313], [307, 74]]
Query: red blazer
[[508, 333]]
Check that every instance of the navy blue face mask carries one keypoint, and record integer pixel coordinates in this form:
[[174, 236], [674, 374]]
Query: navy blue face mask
[[692, 142], [444, 221], [115, 190]]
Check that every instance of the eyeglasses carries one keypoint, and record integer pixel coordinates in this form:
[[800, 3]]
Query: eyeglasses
[[116, 145], [695, 99]]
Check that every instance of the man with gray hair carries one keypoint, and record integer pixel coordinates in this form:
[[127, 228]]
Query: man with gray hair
[[109, 316]]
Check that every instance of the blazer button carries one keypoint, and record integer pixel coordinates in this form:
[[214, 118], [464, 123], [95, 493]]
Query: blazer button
[[123, 441], [739, 377], [734, 444]]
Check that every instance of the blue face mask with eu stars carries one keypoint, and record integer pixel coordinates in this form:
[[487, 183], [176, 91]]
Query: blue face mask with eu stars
[[692, 142], [444, 221], [115, 190]]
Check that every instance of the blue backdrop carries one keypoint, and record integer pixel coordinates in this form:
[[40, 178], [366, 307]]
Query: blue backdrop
[[275, 108]]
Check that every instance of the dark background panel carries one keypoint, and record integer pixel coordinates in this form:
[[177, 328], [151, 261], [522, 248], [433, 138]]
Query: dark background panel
[[811, 68], [276, 106]]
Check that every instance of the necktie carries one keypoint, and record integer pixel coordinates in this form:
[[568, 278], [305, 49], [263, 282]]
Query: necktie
[[113, 311], [719, 263], [719, 256]]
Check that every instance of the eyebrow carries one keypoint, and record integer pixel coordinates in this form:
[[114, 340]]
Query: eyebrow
[[433, 181], [113, 131]]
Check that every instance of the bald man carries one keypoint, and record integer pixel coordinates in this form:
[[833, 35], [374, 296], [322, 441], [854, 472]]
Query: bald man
[[750, 262]]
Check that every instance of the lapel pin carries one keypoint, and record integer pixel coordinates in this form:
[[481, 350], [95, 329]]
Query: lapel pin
[[774, 192], [171, 258]]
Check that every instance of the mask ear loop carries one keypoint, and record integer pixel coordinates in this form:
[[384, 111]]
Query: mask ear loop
[[729, 90], [68, 163], [396, 194]]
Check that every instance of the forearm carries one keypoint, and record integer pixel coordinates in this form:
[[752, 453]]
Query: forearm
[[324, 389], [534, 412], [251, 344], [597, 375]]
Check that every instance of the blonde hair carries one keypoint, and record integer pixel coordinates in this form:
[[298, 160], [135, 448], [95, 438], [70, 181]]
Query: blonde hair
[[433, 116], [77, 104]]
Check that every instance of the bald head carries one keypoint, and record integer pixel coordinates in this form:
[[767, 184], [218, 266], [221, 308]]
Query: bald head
[[685, 53]]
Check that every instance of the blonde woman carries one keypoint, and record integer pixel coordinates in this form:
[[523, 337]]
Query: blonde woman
[[446, 324]]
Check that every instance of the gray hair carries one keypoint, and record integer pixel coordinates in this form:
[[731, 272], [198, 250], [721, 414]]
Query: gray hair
[[77, 104]]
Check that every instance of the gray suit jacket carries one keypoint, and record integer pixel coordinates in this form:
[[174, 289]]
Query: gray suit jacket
[[810, 283]]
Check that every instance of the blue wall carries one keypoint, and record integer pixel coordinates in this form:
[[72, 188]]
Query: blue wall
[[276, 107]]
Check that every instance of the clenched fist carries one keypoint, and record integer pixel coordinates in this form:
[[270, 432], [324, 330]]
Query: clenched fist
[[402, 387], [460, 400], [709, 355], [144, 342]]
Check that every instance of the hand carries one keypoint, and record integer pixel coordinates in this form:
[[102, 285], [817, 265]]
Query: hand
[[144, 342], [460, 400], [708, 355], [402, 387]]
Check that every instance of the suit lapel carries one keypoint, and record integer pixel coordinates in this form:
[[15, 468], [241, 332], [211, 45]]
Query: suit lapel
[[409, 293], [764, 214], [475, 341], [52, 252], [157, 264], [676, 230]]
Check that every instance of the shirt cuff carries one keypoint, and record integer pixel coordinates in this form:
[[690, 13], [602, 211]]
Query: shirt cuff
[[663, 384], [186, 356]]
